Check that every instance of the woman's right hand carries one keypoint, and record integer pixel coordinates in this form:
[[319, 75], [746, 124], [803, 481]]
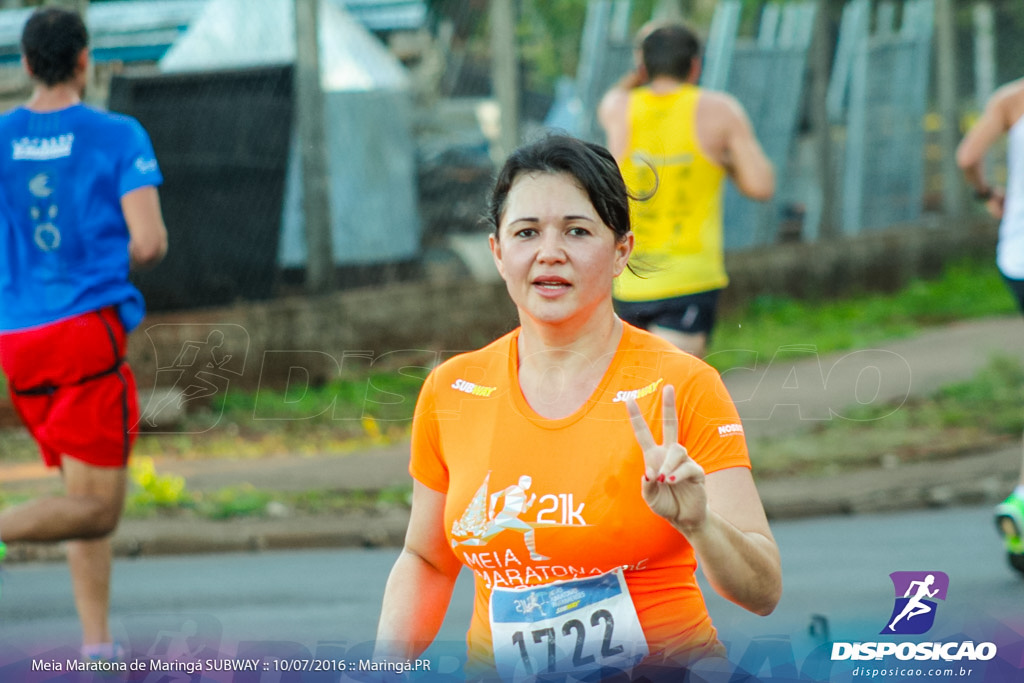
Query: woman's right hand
[[673, 483]]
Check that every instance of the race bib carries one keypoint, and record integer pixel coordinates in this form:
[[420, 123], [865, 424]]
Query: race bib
[[573, 626]]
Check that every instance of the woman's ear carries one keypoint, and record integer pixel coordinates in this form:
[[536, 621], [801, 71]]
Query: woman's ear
[[495, 245], [623, 250]]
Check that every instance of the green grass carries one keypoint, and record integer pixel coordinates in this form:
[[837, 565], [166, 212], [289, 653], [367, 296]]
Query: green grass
[[979, 414], [246, 501], [768, 325], [381, 396], [343, 415]]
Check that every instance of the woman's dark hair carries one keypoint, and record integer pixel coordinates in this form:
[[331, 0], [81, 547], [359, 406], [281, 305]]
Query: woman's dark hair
[[669, 50], [51, 42], [592, 166]]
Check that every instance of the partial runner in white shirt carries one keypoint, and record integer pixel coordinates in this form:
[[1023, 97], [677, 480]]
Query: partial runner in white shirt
[[1004, 114]]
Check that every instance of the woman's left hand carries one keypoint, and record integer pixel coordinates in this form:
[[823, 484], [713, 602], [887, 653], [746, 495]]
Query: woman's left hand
[[673, 484]]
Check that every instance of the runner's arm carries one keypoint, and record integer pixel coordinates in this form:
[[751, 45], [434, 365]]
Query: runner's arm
[[742, 156], [737, 552], [148, 235], [613, 115], [420, 585], [970, 153]]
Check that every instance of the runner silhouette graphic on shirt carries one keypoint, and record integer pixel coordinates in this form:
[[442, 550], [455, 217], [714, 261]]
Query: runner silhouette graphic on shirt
[[480, 529]]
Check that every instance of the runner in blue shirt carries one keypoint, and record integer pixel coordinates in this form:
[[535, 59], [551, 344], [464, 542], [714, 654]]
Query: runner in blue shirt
[[78, 208]]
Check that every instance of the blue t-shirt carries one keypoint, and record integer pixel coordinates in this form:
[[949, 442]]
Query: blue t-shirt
[[63, 237]]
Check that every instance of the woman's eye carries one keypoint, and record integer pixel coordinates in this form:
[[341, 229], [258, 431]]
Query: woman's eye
[[577, 231], [526, 232]]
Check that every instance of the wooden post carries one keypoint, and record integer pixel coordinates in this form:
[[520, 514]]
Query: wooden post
[[984, 62], [821, 58], [949, 134], [984, 53], [505, 73], [309, 117]]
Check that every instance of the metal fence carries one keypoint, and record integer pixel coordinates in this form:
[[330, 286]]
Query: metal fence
[[409, 167], [766, 74], [879, 90], [606, 55]]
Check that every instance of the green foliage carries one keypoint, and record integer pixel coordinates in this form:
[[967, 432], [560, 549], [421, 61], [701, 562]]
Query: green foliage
[[383, 396], [318, 502], [235, 501], [153, 490], [770, 327], [981, 413], [244, 500], [549, 37], [154, 493], [990, 401]]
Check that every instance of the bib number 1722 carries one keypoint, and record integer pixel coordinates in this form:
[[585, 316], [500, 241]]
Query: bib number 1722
[[549, 640]]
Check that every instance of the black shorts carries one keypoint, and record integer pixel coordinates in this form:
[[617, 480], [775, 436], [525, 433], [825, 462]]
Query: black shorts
[[689, 314], [1017, 289]]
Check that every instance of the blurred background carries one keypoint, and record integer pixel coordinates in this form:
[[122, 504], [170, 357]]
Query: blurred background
[[326, 167], [327, 162]]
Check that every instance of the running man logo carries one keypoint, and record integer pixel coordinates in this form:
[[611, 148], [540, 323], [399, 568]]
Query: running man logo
[[207, 359], [473, 389], [637, 393], [914, 610]]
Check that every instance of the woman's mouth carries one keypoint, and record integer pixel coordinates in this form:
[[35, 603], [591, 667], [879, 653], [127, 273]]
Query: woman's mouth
[[551, 284]]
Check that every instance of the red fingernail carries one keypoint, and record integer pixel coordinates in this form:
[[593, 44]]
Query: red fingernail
[[661, 477], [672, 478]]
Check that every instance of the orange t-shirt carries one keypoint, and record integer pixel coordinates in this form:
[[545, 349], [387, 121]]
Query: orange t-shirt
[[531, 500]]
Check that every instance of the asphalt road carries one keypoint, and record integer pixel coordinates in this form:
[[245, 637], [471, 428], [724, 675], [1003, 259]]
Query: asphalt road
[[323, 604]]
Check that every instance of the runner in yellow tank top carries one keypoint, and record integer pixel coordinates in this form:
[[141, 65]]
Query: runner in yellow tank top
[[679, 228], [692, 139]]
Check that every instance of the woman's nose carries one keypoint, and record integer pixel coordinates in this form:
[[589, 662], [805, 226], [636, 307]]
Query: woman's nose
[[552, 247]]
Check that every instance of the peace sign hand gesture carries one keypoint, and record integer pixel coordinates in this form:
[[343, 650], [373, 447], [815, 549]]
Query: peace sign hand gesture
[[673, 484]]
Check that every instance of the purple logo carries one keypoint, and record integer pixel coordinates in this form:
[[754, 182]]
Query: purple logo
[[916, 593]]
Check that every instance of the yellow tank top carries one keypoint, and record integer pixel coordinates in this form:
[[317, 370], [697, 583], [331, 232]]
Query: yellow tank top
[[678, 229]]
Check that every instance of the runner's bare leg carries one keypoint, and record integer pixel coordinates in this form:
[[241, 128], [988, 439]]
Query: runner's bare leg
[[89, 560]]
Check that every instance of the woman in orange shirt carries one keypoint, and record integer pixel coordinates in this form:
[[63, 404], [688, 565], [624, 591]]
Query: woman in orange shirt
[[578, 465]]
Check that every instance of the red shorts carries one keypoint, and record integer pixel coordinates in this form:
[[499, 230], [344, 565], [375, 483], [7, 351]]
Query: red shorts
[[73, 390]]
